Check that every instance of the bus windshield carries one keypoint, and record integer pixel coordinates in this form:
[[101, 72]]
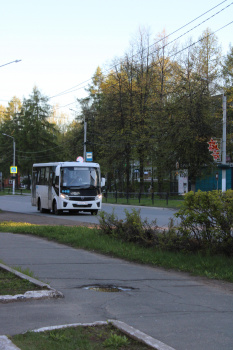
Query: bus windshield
[[80, 177]]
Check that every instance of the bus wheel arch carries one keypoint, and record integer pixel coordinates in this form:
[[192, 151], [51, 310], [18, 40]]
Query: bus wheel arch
[[55, 210], [39, 208]]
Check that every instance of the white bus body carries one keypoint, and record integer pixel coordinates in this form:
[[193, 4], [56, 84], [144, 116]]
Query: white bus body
[[67, 186]]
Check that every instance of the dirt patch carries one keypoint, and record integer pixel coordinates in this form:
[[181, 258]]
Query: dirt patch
[[40, 219]]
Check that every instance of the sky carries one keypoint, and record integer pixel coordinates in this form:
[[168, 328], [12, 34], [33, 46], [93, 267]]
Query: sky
[[62, 42]]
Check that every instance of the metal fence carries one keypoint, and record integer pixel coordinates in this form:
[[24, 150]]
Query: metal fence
[[140, 197]]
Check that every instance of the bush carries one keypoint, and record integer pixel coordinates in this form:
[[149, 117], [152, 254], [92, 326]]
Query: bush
[[206, 226], [133, 229], [207, 218]]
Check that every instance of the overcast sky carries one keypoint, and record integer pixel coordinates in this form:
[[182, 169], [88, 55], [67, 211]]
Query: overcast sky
[[62, 42]]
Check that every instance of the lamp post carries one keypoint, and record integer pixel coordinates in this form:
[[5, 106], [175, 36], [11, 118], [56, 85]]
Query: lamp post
[[13, 189], [16, 61], [85, 140], [224, 122]]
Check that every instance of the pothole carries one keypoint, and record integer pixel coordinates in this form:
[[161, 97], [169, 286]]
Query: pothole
[[107, 288]]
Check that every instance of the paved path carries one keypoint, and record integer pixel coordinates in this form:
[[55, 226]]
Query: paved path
[[180, 311]]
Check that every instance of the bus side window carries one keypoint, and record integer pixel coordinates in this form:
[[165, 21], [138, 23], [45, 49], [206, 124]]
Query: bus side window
[[46, 176], [51, 179], [42, 176], [37, 177]]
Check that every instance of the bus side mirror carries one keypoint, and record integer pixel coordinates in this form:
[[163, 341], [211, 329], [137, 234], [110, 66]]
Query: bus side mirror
[[102, 182]]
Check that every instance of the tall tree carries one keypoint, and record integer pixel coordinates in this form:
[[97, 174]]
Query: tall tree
[[37, 138], [164, 87], [227, 72], [9, 126], [194, 121]]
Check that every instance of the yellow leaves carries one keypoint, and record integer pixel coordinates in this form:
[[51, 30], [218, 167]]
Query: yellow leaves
[[15, 224]]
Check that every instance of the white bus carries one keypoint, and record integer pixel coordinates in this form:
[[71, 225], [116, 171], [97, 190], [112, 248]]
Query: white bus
[[67, 186]]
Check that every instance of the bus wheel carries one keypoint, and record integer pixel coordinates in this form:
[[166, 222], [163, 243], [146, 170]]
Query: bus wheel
[[55, 210], [94, 212], [41, 210]]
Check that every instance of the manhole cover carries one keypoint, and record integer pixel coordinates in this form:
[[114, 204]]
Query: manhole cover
[[107, 288]]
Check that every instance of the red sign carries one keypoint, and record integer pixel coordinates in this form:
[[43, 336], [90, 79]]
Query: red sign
[[215, 149]]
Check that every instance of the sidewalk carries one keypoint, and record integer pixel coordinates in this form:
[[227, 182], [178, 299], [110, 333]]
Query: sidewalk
[[181, 311]]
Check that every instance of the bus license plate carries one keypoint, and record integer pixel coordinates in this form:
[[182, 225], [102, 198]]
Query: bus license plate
[[82, 203]]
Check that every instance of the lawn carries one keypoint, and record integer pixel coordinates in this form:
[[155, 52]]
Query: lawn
[[10, 284], [73, 338]]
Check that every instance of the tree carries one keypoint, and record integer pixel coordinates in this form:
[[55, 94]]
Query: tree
[[164, 70], [8, 126], [36, 137], [154, 109], [227, 73], [2, 113], [194, 119], [72, 141]]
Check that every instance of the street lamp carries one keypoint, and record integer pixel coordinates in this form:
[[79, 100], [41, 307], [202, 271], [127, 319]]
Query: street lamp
[[224, 122], [13, 189], [16, 61]]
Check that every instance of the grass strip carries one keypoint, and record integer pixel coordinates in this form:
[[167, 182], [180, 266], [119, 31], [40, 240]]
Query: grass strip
[[211, 266], [146, 202], [73, 338], [10, 284]]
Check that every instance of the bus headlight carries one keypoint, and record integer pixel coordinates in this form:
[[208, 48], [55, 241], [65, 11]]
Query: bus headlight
[[98, 197], [64, 196]]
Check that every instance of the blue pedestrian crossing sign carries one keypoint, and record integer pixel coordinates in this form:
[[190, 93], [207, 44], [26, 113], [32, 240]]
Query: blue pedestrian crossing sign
[[13, 169]]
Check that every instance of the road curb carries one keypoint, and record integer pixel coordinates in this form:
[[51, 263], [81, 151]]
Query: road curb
[[140, 336], [38, 294], [6, 344]]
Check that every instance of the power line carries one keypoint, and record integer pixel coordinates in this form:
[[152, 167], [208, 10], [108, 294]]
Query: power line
[[176, 53], [113, 85], [78, 86]]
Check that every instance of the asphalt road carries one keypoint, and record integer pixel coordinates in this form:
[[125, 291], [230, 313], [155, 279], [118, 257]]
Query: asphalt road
[[22, 204]]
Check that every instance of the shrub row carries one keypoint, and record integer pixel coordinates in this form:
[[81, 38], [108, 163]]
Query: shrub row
[[206, 221]]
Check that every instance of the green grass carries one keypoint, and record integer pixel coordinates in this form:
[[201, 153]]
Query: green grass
[[73, 338], [10, 284], [215, 267]]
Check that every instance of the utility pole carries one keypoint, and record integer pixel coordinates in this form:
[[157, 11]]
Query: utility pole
[[224, 123], [85, 140], [85, 137]]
